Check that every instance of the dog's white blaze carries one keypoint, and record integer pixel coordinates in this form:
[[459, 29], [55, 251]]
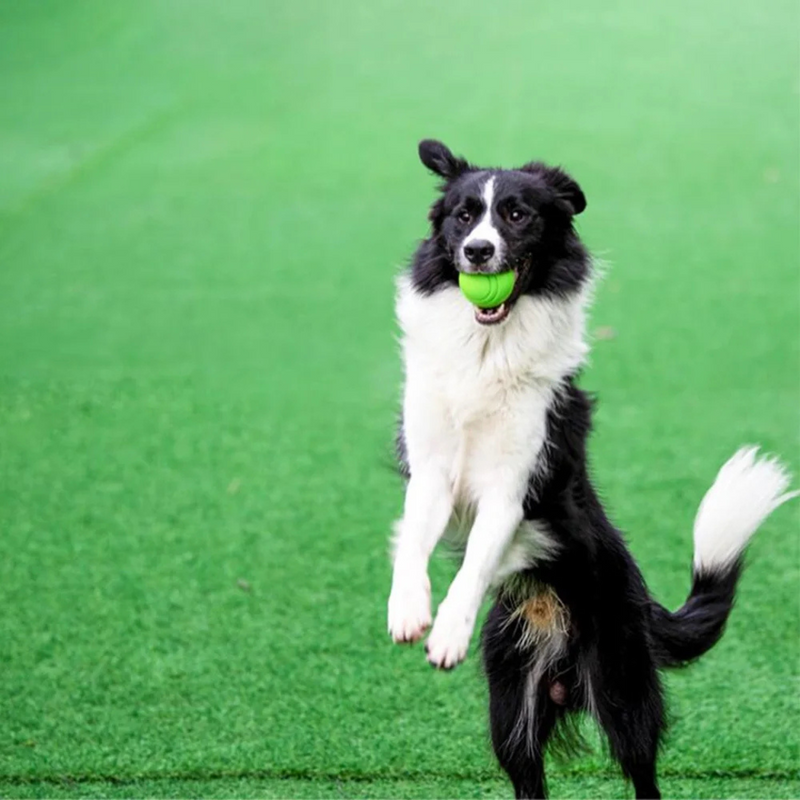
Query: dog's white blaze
[[474, 416], [746, 491], [485, 231]]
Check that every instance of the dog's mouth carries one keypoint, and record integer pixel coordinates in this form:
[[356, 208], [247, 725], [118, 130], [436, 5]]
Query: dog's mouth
[[491, 316], [495, 315]]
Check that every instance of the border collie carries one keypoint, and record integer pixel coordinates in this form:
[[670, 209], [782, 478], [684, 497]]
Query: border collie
[[493, 443]]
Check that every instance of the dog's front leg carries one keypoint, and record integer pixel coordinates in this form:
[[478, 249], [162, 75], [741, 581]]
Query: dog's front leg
[[495, 523], [428, 506]]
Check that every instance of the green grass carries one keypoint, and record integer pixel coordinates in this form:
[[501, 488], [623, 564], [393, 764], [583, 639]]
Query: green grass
[[202, 208]]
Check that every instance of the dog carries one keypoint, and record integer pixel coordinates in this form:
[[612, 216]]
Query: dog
[[492, 441]]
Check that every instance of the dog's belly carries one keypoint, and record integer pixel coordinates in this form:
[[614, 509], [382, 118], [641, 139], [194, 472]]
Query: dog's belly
[[532, 543]]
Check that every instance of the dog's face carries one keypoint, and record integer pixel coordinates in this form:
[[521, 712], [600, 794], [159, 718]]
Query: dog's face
[[491, 221]]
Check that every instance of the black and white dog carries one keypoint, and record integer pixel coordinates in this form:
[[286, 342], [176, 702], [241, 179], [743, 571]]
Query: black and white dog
[[493, 442]]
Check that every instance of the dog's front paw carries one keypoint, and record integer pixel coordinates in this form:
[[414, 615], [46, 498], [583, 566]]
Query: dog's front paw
[[410, 609], [449, 640]]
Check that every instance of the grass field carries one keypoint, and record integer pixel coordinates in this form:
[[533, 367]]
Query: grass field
[[202, 209]]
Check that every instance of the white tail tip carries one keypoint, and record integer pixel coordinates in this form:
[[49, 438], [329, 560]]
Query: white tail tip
[[746, 491]]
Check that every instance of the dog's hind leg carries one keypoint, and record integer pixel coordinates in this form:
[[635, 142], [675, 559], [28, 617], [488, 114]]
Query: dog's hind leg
[[629, 705], [634, 743], [523, 710]]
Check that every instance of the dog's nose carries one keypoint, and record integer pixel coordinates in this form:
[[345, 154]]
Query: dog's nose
[[479, 251]]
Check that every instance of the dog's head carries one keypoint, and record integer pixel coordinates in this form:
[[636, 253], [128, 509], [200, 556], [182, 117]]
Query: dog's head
[[495, 220]]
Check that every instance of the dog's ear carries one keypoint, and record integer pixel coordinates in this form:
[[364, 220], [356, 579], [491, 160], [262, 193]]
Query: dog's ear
[[438, 158], [567, 190], [569, 196]]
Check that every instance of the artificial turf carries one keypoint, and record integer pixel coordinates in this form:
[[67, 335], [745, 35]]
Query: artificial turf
[[202, 209]]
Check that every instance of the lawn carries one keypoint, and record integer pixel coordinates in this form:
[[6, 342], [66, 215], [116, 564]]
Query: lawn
[[203, 206]]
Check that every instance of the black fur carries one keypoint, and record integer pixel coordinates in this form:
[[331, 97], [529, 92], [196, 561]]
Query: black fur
[[619, 635], [681, 637]]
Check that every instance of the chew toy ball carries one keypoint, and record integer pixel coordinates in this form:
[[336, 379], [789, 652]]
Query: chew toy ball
[[486, 291]]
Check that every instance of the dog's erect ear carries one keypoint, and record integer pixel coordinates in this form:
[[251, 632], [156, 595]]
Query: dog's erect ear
[[438, 158], [569, 196]]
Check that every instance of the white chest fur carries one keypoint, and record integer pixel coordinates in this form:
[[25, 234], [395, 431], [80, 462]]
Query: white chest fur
[[476, 397]]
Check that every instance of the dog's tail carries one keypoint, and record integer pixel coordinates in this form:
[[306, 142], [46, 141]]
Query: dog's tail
[[747, 489]]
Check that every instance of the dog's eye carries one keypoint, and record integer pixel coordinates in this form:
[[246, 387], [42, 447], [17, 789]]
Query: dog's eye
[[464, 215], [516, 215]]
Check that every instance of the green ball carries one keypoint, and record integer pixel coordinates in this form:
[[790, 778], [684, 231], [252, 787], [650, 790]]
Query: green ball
[[487, 291]]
